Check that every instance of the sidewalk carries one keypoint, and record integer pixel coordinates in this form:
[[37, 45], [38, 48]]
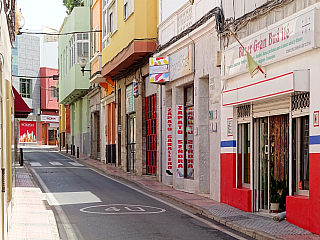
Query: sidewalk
[[253, 225], [32, 217]]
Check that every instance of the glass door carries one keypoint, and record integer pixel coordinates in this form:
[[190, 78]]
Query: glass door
[[263, 162], [131, 143], [271, 158]]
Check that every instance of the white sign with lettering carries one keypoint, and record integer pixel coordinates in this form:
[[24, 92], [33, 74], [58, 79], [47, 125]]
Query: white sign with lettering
[[49, 118], [181, 63], [282, 40]]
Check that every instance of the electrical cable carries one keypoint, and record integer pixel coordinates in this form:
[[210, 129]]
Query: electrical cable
[[59, 34]]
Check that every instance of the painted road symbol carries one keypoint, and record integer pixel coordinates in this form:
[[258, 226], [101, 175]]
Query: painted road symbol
[[122, 209]]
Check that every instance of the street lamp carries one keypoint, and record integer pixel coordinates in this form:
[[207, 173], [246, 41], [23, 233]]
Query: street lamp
[[83, 62]]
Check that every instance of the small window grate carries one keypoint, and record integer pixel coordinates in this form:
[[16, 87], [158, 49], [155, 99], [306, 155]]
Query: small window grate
[[300, 101], [244, 111]]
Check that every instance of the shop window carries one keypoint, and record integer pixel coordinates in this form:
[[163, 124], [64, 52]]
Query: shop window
[[189, 139], [300, 154], [244, 155], [25, 88]]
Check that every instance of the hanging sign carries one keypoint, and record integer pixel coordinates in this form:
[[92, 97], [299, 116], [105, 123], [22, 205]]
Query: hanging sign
[[169, 142], [159, 70], [28, 132], [180, 141]]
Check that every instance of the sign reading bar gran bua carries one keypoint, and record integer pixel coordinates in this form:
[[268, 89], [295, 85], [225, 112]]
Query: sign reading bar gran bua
[[286, 38]]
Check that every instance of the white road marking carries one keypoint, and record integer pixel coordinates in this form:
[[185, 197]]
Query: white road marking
[[122, 209], [76, 164], [63, 217], [55, 163], [35, 164], [177, 208], [221, 229]]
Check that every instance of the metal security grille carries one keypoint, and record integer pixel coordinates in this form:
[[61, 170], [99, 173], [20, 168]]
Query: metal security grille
[[151, 119], [300, 101], [244, 111]]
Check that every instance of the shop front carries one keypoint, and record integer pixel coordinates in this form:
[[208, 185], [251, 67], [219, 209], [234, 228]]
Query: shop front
[[270, 124], [49, 130]]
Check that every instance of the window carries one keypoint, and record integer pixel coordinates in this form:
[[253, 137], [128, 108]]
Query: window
[[95, 41], [109, 21], [79, 46], [128, 8], [300, 153], [25, 88], [244, 155], [54, 92]]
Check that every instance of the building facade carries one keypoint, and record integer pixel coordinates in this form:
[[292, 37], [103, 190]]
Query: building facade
[[7, 114], [49, 118], [269, 123], [129, 36], [73, 84], [190, 98]]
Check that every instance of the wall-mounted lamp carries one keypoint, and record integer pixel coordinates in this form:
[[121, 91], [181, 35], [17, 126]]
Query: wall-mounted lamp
[[83, 62]]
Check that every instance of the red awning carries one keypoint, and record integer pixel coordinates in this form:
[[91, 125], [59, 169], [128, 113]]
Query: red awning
[[21, 109]]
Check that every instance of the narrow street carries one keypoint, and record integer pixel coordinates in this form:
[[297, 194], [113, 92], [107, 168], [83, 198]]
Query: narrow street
[[88, 205]]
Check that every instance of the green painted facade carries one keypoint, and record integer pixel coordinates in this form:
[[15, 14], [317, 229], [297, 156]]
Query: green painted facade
[[72, 84]]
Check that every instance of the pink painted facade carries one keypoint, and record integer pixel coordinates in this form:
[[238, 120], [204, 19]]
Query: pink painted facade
[[48, 127]]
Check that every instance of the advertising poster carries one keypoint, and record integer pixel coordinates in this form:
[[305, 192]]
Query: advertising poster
[[189, 146], [180, 141], [169, 141], [28, 132]]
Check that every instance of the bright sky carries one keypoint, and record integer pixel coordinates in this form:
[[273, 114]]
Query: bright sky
[[38, 13]]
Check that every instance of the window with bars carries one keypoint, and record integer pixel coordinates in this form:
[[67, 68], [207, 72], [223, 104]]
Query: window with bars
[[25, 88], [151, 123]]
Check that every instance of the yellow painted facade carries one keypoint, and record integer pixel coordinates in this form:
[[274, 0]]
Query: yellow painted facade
[[141, 24]]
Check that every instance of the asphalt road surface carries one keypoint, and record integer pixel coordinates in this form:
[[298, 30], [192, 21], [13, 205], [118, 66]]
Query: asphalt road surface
[[89, 205]]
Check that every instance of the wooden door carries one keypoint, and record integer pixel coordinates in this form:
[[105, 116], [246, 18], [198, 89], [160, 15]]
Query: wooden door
[[44, 134]]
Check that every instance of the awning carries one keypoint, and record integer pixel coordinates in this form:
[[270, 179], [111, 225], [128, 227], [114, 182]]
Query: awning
[[21, 109]]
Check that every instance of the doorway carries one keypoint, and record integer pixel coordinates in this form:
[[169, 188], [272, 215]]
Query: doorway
[[52, 136], [44, 134], [271, 158], [131, 143]]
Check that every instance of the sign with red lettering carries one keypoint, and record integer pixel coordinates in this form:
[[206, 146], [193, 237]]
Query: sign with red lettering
[[49, 118], [190, 141], [169, 166], [28, 131], [180, 141], [282, 40]]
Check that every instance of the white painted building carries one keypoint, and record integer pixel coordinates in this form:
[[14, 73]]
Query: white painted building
[[270, 133], [190, 151]]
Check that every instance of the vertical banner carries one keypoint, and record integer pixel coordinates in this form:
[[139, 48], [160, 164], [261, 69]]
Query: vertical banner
[[180, 141], [190, 140], [28, 131], [169, 164]]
